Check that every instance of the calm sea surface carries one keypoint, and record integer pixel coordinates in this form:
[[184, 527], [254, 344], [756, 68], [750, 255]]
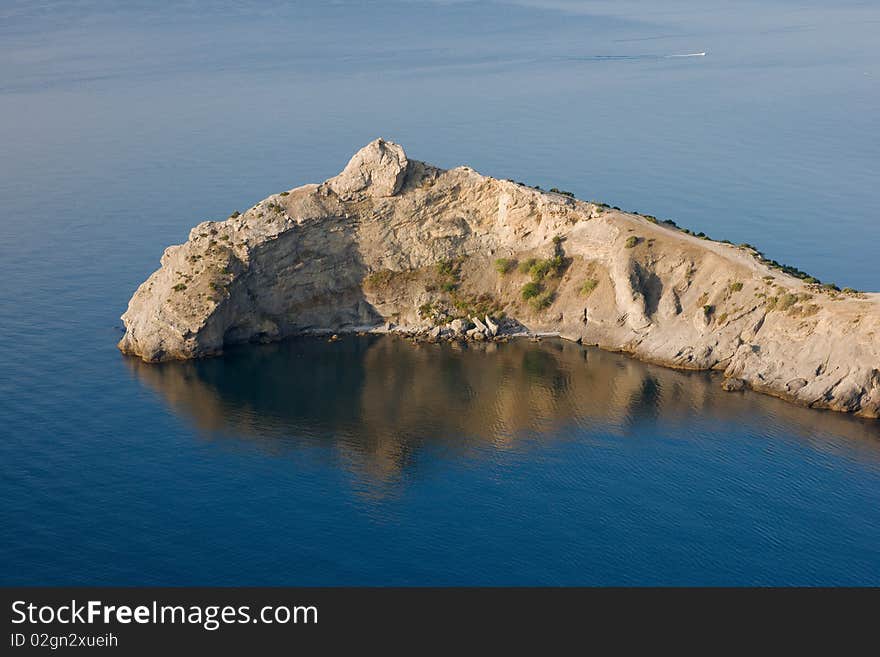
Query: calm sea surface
[[371, 461]]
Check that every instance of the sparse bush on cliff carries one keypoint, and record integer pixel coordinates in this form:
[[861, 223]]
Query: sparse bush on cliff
[[539, 269], [180, 287], [588, 286], [477, 306], [531, 290], [445, 267], [379, 279], [708, 309], [631, 241], [449, 274], [561, 191], [541, 301], [786, 301], [235, 214], [526, 265], [736, 286], [504, 265]]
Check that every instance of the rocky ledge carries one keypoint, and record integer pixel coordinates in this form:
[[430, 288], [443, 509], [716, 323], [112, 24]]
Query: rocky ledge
[[396, 244]]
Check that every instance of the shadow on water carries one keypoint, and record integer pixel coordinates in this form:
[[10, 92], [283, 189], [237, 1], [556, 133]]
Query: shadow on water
[[379, 400]]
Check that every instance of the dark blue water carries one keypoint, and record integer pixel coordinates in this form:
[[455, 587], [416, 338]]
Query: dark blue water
[[371, 461]]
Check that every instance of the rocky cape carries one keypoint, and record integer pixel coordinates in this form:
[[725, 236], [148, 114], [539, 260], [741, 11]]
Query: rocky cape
[[397, 244]]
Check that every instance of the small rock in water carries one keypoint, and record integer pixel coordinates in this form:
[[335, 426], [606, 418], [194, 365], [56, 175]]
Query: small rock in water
[[733, 385]]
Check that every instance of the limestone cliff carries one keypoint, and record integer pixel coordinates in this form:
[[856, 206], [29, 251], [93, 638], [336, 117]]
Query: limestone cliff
[[392, 240]]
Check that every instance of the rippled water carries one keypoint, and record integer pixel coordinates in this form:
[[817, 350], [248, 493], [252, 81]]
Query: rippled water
[[371, 461]]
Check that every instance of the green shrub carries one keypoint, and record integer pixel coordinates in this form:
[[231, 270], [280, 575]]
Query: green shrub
[[540, 269], [542, 300], [736, 286], [449, 286], [526, 265], [284, 193], [708, 310], [588, 286], [180, 287], [531, 290], [445, 267], [504, 265], [235, 214], [631, 241]]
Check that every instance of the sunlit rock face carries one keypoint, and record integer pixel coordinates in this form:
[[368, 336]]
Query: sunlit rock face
[[396, 240]]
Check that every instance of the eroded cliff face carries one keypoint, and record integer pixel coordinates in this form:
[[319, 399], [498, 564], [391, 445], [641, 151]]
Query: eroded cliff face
[[396, 240]]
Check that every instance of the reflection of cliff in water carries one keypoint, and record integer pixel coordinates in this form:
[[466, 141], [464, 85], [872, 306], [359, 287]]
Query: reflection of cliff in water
[[379, 399]]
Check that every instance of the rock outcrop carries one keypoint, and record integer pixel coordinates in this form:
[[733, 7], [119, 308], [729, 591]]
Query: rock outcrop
[[392, 242]]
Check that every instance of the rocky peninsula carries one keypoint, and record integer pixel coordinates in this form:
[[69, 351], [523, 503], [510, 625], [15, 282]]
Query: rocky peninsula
[[392, 244]]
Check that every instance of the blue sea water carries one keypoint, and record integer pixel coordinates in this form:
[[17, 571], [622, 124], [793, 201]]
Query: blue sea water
[[371, 461]]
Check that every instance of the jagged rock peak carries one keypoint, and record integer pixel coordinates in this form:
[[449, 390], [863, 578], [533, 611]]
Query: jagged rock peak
[[378, 169]]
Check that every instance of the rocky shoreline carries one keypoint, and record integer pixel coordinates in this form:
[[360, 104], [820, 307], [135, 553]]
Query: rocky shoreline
[[397, 245]]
